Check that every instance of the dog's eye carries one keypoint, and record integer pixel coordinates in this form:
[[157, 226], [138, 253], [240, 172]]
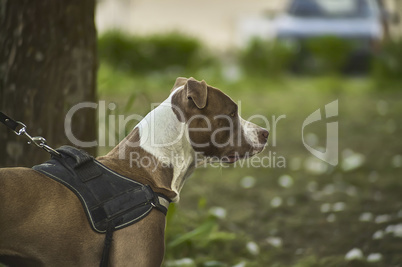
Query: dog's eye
[[232, 114]]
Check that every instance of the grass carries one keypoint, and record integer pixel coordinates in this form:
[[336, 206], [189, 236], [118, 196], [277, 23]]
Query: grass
[[303, 214]]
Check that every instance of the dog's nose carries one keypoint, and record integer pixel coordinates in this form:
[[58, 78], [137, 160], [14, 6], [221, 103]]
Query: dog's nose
[[264, 136], [265, 133]]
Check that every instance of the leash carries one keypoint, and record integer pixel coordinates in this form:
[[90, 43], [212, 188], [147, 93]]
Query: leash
[[20, 129]]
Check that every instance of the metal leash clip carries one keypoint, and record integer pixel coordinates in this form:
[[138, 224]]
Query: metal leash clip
[[39, 141]]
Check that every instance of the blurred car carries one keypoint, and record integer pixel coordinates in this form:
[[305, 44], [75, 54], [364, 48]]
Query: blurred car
[[363, 24]]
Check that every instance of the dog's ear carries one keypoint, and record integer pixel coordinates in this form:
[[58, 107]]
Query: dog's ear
[[197, 91], [179, 82]]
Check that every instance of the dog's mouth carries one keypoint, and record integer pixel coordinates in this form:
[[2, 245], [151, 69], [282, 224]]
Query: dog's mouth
[[235, 156], [232, 158]]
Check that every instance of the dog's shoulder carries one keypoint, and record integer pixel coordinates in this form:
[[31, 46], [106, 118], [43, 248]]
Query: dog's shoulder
[[24, 180], [15, 173]]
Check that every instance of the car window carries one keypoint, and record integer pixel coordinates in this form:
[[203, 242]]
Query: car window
[[332, 8]]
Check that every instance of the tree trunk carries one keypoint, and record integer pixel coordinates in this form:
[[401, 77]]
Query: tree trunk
[[47, 65]]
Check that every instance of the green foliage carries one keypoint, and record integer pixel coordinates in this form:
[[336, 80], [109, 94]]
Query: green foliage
[[387, 65], [312, 261], [329, 54], [264, 58], [157, 53], [203, 234], [178, 54], [320, 55]]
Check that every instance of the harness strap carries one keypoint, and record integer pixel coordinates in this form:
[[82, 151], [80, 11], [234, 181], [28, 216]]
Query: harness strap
[[79, 157], [107, 245]]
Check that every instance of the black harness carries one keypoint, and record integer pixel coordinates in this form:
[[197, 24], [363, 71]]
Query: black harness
[[110, 200]]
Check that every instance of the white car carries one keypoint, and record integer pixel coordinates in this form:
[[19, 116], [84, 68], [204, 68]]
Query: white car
[[364, 23]]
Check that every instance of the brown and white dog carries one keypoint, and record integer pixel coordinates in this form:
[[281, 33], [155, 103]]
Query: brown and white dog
[[42, 223]]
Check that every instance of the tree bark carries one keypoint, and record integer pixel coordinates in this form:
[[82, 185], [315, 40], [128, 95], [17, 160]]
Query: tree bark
[[47, 65]]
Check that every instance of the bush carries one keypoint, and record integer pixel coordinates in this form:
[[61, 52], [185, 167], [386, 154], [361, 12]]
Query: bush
[[152, 53], [325, 54], [387, 65], [266, 58], [329, 53]]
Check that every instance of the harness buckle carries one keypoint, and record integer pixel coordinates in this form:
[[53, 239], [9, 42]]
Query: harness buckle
[[39, 141], [22, 130]]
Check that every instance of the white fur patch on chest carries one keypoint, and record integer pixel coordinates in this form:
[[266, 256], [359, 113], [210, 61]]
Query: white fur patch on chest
[[166, 138], [160, 130]]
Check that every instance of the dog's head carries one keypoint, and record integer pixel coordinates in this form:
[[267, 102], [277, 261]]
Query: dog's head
[[215, 128]]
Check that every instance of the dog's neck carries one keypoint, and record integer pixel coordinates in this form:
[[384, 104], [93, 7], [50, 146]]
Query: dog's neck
[[157, 152], [165, 137]]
